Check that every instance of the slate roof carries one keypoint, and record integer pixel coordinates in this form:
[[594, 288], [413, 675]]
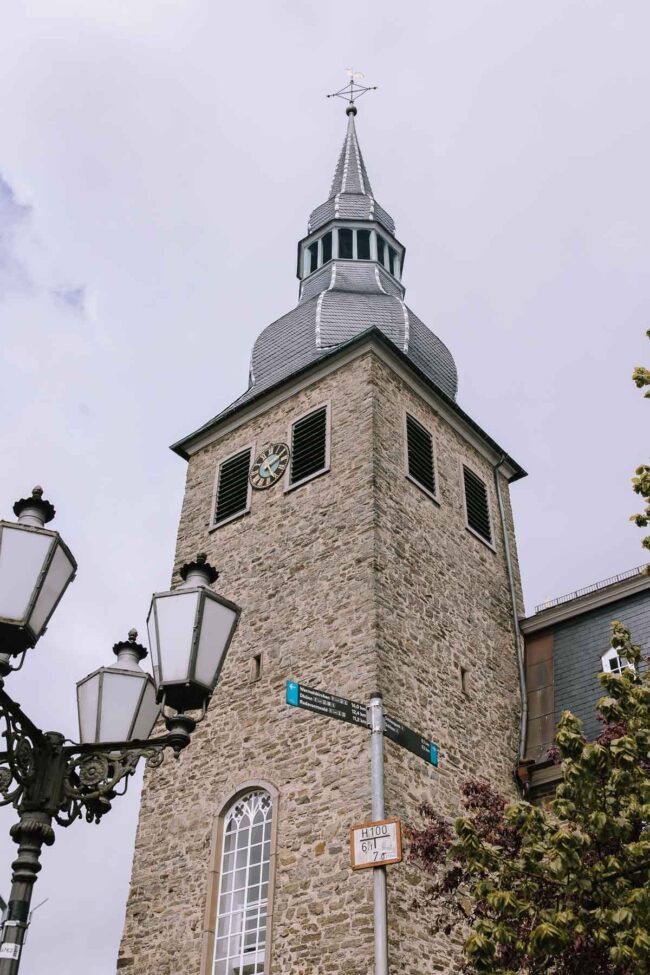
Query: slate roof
[[351, 196], [565, 641], [345, 298]]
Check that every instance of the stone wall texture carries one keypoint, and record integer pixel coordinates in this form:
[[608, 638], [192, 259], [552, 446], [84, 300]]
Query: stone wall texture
[[353, 582]]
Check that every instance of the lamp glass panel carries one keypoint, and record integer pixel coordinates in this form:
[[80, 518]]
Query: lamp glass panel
[[153, 642], [87, 699], [121, 692], [216, 626], [148, 713], [176, 615], [58, 576], [22, 554]]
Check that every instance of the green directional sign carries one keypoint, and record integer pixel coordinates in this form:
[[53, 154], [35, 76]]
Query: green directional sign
[[343, 709], [330, 705], [411, 740]]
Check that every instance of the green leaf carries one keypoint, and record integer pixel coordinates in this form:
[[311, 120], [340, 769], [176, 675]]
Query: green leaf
[[545, 938]]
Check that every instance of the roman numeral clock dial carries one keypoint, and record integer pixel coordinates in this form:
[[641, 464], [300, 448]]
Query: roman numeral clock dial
[[269, 466]]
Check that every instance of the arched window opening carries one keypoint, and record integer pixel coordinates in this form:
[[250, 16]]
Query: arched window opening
[[242, 905]]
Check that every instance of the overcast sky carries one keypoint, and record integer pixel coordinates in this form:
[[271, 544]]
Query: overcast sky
[[158, 161]]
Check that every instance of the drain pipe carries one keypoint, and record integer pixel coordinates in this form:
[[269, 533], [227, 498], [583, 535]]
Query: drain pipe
[[523, 725]]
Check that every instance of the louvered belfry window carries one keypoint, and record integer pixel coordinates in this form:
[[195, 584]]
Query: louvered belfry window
[[232, 487], [309, 445], [419, 444], [476, 504]]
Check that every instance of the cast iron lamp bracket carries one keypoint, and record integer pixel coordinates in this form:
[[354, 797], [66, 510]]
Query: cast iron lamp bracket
[[40, 771]]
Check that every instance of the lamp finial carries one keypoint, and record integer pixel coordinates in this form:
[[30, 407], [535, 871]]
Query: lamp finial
[[200, 568], [131, 645], [34, 510]]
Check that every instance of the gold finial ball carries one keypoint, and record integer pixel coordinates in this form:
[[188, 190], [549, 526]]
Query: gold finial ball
[[37, 492], [133, 635]]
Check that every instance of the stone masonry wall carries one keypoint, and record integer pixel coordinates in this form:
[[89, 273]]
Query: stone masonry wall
[[301, 567], [354, 582], [443, 601]]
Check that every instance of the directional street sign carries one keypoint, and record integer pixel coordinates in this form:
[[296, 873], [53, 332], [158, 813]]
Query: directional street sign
[[375, 844], [411, 740], [328, 704], [353, 712]]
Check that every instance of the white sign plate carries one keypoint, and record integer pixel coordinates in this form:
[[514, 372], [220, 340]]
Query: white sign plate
[[375, 844], [9, 951]]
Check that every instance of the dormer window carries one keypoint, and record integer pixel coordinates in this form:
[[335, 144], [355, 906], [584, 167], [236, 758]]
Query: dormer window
[[613, 664]]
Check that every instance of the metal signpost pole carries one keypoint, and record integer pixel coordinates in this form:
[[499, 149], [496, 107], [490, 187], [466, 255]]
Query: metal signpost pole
[[380, 839], [376, 716]]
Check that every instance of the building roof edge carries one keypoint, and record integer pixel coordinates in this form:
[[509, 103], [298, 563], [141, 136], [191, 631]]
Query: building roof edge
[[584, 604], [374, 333]]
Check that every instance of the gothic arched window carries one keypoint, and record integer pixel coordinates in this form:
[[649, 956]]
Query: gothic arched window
[[242, 904]]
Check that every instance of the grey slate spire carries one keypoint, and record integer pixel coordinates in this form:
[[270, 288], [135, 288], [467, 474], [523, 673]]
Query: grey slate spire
[[345, 295], [351, 195], [350, 175]]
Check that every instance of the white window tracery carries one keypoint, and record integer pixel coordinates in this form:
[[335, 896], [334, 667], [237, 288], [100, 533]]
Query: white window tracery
[[244, 886]]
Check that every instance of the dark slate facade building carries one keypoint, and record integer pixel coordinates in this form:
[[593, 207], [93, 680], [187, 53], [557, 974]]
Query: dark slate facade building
[[567, 645]]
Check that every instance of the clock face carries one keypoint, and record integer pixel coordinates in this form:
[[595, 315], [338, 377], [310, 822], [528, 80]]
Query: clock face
[[269, 466]]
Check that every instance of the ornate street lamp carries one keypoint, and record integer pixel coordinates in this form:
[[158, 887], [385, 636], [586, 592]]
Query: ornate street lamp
[[118, 703], [190, 629], [36, 567], [47, 780]]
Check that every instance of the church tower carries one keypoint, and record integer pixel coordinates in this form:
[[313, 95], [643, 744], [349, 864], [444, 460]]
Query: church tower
[[382, 559]]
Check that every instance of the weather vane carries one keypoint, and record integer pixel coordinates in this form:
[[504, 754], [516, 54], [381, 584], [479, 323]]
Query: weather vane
[[353, 90]]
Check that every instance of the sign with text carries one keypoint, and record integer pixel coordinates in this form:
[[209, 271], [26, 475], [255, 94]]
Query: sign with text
[[411, 740], [10, 951], [330, 705], [342, 708], [375, 844]]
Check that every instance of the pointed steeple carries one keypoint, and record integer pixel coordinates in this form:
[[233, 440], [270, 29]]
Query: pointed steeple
[[351, 196], [350, 175], [350, 270]]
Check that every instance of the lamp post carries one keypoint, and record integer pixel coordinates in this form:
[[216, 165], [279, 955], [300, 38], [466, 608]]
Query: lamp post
[[49, 781]]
